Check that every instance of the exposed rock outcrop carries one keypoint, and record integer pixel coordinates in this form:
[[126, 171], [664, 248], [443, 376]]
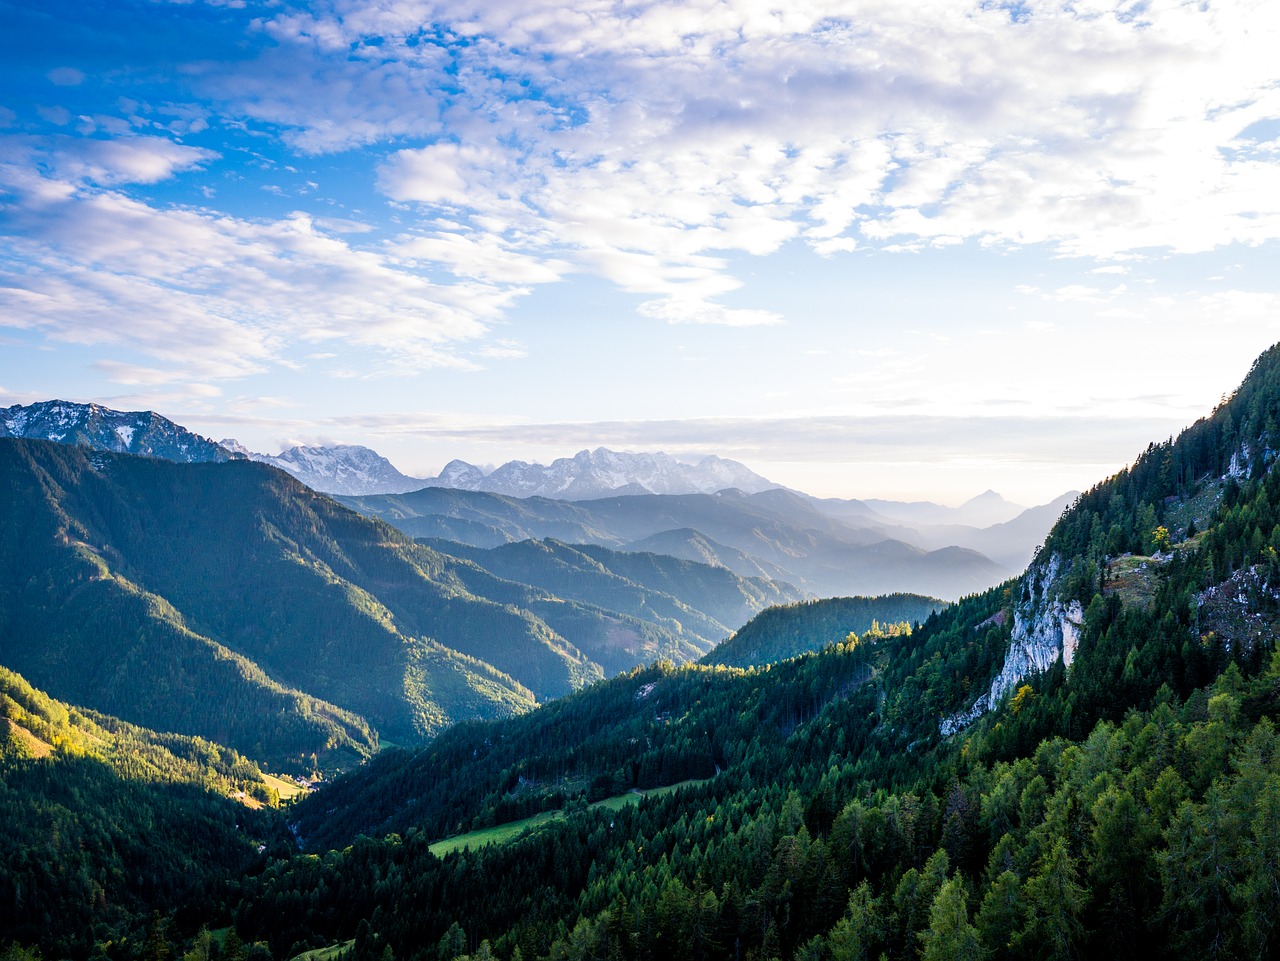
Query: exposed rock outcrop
[[1242, 611], [1045, 628]]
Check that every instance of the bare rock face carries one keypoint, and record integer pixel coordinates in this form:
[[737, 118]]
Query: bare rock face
[[1044, 629], [1243, 611]]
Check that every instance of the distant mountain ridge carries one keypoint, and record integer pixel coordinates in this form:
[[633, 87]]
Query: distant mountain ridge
[[771, 531], [603, 473], [988, 526], [122, 432], [339, 469]]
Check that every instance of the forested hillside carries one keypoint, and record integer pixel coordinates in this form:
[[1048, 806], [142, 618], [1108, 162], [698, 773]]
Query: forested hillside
[[778, 633], [106, 824], [231, 602], [1108, 786], [694, 602], [1118, 807]]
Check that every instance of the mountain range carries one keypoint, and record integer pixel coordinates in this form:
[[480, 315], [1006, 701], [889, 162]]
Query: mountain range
[[1078, 762], [127, 582], [775, 532], [354, 470], [337, 469], [822, 546], [602, 473]]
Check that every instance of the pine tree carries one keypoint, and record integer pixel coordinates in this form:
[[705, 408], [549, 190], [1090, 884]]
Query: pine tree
[[950, 936]]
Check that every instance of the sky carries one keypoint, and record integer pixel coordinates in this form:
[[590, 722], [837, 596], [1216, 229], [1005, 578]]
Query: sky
[[869, 248]]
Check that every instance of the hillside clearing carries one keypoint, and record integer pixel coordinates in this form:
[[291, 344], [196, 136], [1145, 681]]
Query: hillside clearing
[[502, 833]]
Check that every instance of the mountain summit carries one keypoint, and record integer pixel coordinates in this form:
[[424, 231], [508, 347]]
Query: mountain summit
[[340, 469], [603, 473], [100, 428]]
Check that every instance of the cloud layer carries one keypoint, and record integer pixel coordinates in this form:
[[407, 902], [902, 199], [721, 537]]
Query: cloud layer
[[211, 192], [651, 144]]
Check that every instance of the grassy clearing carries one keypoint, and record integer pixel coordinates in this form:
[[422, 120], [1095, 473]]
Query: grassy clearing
[[287, 789], [502, 833], [1133, 578], [34, 746], [498, 834], [633, 797], [324, 954]]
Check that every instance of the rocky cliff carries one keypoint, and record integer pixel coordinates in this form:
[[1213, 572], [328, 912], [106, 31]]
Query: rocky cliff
[[1045, 628]]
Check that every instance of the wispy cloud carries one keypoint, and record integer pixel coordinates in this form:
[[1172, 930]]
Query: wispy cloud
[[820, 439], [213, 295], [916, 120]]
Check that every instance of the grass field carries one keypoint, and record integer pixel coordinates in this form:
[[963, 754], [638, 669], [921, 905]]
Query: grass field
[[502, 833], [323, 954], [633, 797], [288, 790], [495, 835]]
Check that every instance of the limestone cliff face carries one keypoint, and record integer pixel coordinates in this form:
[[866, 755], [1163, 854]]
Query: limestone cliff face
[[1044, 629]]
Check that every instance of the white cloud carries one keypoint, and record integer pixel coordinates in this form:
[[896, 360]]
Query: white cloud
[[676, 311], [650, 143], [636, 139], [210, 295]]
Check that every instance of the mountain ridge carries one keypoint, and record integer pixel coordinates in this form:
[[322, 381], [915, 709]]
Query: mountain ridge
[[336, 469], [144, 433], [774, 530], [602, 473]]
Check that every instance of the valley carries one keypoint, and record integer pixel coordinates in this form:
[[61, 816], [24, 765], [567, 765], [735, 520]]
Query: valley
[[662, 480], [655, 756]]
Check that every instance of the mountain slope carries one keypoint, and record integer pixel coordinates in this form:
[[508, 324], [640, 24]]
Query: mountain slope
[[105, 823], [779, 633], [164, 577], [690, 545], [690, 600], [129, 432], [203, 598], [337, 469]]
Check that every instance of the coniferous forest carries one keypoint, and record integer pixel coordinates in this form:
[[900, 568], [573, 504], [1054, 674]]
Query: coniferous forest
[[1124, 805]]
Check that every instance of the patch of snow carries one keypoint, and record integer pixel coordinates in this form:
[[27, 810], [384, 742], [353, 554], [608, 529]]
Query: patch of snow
[[126, 435]]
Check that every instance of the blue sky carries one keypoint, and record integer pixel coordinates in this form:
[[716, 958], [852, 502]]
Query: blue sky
[[869, 248]]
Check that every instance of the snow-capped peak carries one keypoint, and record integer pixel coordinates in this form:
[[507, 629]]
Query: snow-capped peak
[[101, 428], [338, 469], [601, 473]]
